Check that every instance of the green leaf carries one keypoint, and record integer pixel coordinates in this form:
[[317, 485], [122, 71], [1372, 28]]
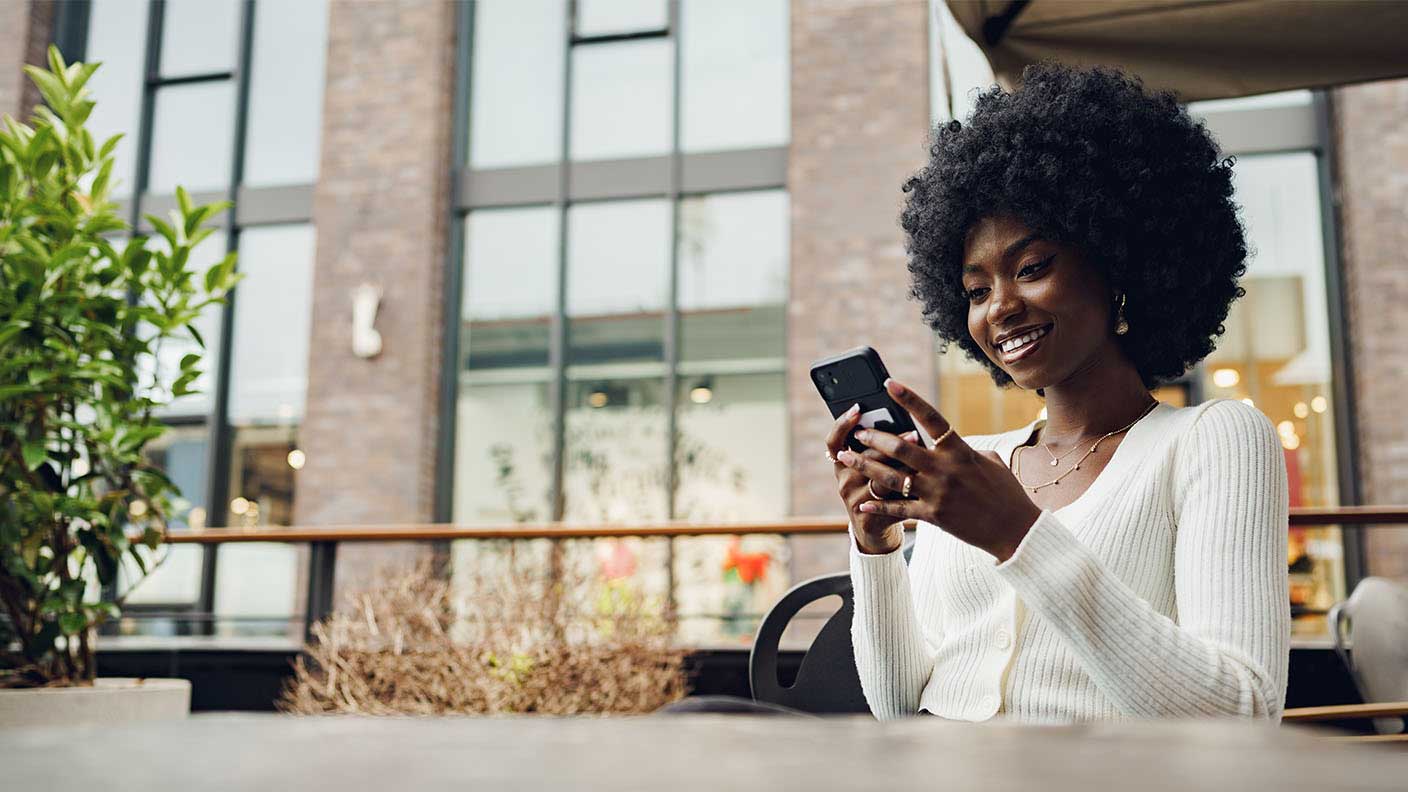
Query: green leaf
[[187, 361], [34, 454], [109, 146], [72, 623], [183, 200]]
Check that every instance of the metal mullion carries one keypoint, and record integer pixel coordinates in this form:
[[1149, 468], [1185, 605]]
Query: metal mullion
[[454, 268], [672, 316], [157, 81], [150, 67], [612, 38], [219, 448], [557, 337], [71, 30]]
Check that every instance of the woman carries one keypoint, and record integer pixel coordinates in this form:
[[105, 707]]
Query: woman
[[1122, 557]]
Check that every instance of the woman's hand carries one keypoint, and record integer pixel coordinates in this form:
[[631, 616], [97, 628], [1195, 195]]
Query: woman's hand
[[875, 533], [970, 494]]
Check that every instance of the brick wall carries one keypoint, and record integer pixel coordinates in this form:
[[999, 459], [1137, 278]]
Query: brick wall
[[14, 42], [1371, 137], [380, 209], [860, 116]]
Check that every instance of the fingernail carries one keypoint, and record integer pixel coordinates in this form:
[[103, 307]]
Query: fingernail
[[911, 436], [845, 456], [855, 408], [867, 507], [863, 435], [894, 387]]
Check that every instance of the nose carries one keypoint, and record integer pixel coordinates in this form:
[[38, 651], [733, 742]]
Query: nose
[[1005, 303]]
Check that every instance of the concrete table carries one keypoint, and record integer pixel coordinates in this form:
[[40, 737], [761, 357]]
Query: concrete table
[[680, 753]]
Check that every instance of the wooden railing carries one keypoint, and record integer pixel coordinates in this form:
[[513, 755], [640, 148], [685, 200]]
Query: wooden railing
[[324, 539], [1359, 516]]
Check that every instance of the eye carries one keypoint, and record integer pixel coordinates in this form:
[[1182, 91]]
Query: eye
[[977, 293], [1036, 267]]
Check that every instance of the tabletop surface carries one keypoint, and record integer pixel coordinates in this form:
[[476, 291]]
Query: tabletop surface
[[680, 753]]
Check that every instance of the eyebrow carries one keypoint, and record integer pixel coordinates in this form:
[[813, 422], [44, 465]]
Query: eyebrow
[[1012, 250]]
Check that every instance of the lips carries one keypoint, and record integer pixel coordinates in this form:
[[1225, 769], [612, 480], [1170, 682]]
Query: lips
[[1017, 347]]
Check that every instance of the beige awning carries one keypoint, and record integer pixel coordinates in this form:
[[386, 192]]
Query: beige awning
[[1202, 49]]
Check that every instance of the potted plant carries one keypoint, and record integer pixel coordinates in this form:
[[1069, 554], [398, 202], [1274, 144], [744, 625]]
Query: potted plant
[[83, 316]]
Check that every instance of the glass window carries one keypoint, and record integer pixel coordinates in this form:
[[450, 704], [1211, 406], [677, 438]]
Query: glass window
[[614, 455], [192, 135], [181, 453], [510, 286], [515, 113], [286, 93], [733, 276], [621, 99], [255, 589], [117, 37], [618, 258], [504, 442], [199, 36], [256, 583], [734, 72], [609, 17], [731, 447], [503, 452], [269, 373], [263, 471]]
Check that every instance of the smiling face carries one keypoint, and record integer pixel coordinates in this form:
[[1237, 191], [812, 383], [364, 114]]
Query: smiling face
[[1037, 308]]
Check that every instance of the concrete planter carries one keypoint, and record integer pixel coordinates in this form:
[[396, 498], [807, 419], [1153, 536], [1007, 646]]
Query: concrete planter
[[110, 701]]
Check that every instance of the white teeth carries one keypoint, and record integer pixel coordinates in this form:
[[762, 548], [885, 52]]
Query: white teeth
[[1013, 344]]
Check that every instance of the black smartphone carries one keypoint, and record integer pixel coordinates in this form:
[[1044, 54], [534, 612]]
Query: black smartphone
[[858, 376]]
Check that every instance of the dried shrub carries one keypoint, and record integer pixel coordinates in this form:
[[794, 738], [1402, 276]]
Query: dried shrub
[[409, 645]]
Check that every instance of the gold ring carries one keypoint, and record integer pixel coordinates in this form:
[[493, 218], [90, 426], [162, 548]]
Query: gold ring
[[871, 486], [904, 488], [944, 436]]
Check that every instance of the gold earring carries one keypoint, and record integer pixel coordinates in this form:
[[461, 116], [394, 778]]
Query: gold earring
[[1121, 326]]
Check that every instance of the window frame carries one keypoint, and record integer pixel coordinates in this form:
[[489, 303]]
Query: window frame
[[252, 207], [561, 184]]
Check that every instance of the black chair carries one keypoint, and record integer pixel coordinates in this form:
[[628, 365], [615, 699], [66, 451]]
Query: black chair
[[826, 682]]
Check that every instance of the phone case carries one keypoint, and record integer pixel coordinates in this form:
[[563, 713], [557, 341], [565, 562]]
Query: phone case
[[877, 409]]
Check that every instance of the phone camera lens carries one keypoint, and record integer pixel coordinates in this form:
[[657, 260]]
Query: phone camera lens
[[828, 391]]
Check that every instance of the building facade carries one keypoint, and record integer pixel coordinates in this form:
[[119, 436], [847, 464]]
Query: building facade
[[595, 247]]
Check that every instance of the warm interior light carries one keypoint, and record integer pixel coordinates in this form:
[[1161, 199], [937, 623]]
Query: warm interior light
[[597, 398], [1318, 404], [701, 395], [1290, 441], [1301, 409], [1226, 378], [296, 459], [137, 508], [1286, 428], [196, 519], [239, 506]]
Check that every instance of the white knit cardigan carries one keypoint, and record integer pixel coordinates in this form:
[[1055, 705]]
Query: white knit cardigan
[[1160, 591]]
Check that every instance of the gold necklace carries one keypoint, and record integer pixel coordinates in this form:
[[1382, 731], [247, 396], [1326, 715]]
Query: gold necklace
[[1017, 455], [1056, 460]]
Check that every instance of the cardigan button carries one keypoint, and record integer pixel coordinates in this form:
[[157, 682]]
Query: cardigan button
[[989, 703], [1003, 639]]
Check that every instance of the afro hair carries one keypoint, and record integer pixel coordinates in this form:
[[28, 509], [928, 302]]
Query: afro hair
[[1090, 159]]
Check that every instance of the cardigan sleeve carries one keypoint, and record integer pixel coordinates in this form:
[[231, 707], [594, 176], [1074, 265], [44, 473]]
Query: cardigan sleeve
[[1227, 652], [893, 659]]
